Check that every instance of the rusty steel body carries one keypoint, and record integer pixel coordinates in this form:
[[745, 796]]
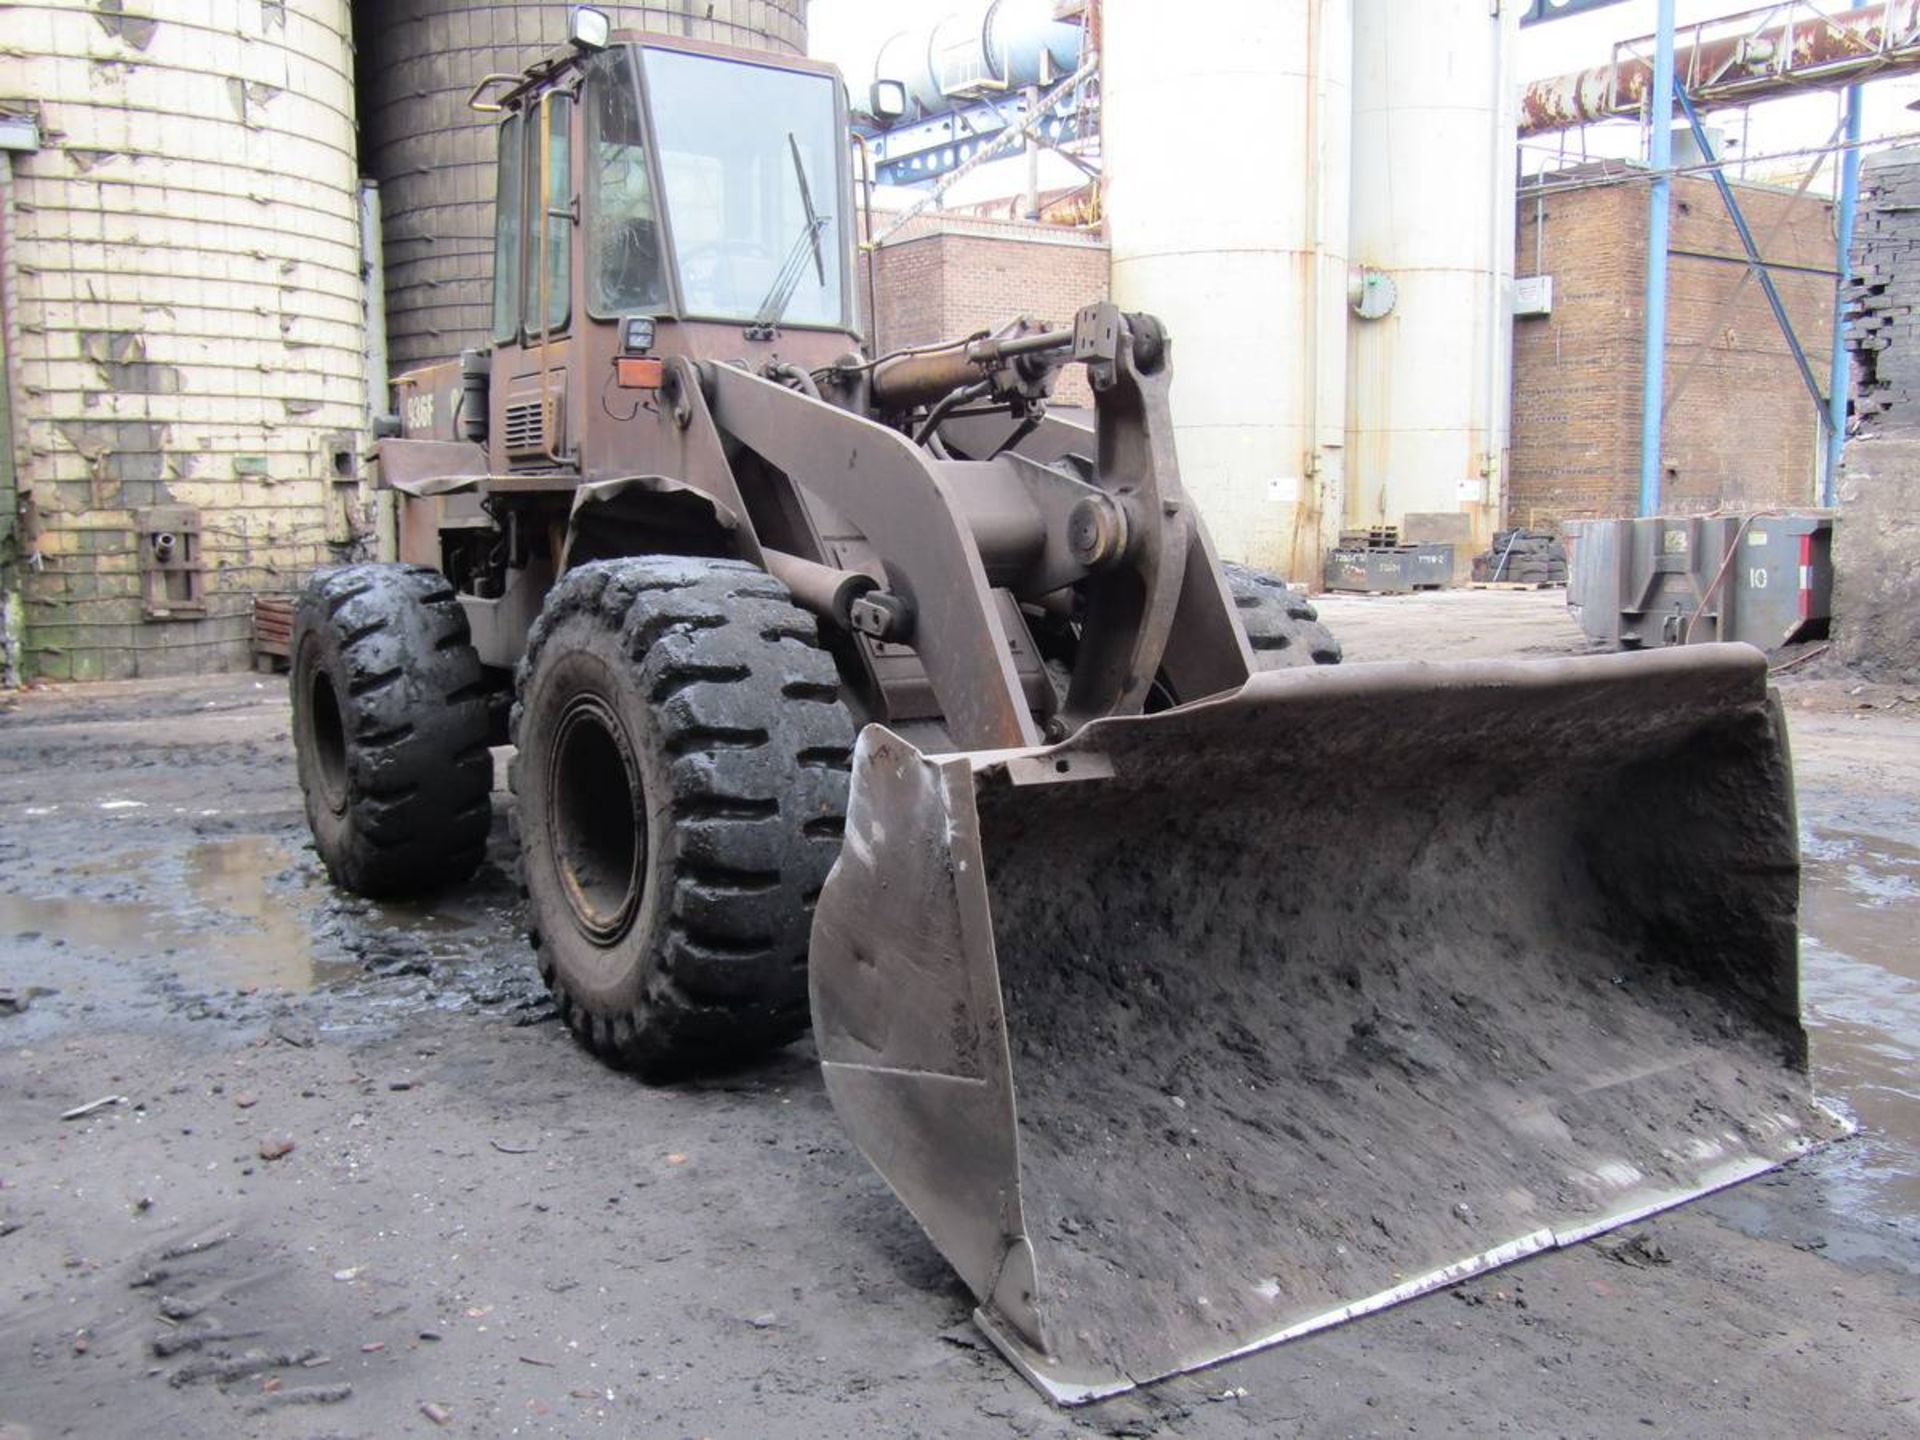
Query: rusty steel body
[[1734, 60], [722, 443], [1179, 1032]]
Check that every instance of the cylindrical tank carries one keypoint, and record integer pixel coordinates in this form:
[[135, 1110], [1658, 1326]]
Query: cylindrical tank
[[187, 291], [989, 44], [434, 158], [1434, 115], [1226, 139]]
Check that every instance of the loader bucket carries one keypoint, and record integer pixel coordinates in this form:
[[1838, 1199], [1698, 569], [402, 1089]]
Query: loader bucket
[[1210, 1028]]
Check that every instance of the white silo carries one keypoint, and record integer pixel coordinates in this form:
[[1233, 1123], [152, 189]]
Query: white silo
[[188, 302], [1225, 133], [1429, 380]]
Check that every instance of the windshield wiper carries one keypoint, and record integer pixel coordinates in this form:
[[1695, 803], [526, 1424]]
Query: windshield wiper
[[787, 281]]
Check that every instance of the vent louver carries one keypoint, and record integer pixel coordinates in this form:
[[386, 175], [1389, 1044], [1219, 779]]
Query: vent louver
[[526, 429]]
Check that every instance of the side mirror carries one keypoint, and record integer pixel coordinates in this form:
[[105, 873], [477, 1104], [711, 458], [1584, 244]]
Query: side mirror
[[588, 29], [887, 100]]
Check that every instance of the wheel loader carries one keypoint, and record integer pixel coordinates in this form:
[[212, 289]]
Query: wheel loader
[[1192, 991]]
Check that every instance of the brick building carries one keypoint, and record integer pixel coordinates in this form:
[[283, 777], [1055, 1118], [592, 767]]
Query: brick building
[[1876, 543], [1741, 431], [944, 276]]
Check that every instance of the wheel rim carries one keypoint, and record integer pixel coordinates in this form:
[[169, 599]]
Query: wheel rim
[[596, 819], [329, 733]]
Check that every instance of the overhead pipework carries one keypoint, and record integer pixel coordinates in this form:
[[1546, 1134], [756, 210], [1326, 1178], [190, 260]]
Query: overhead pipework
[[942, 95], [994, 47], [1735, 60]]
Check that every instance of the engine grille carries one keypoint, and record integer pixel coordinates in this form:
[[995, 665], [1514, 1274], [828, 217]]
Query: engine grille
[[526, 428]]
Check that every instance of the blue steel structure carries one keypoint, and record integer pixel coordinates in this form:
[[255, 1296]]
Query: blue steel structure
[[1842, 376], [1755, 261], [1831, 405]]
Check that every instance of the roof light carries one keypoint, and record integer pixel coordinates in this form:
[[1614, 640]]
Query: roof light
[[588, 28]]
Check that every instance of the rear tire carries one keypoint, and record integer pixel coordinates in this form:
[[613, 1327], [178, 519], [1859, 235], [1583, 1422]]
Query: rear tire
[[682, 787], [390, 729], [1283, 628]]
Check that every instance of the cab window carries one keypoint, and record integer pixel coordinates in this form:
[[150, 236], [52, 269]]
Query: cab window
[[507, 211], [623, 253], [549, 274], [750, 166]]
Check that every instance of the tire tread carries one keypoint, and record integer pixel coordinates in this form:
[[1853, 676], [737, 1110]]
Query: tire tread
[[754, 740]]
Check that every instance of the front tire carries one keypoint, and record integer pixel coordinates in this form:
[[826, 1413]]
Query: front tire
[[390, 729], [681, 784], [1282, 626]]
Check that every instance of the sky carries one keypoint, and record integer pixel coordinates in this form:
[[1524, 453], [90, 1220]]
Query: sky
[[850, 33]]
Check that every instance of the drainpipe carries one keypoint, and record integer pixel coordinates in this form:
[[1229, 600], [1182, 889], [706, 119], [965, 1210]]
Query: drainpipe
[[373, 274], [1505, 177], [1840, 381], [17, 134], [1030, 201], [1660, 160]]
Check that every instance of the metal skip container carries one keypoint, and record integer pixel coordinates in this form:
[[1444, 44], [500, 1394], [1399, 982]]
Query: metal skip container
[[1764, 578], [1206, 1029]]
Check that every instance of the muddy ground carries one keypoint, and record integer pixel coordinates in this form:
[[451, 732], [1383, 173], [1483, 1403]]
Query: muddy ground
[[478, 1230]]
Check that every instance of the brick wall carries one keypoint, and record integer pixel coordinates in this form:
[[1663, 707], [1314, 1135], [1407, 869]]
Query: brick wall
[[1883, 291], [1876, 543], [1741, 430], [943, 277]]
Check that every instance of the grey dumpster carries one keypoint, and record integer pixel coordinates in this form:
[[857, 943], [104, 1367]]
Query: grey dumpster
[[1766, 579]]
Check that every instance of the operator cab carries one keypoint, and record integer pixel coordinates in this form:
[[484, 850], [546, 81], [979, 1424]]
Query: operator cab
[[711, 187]]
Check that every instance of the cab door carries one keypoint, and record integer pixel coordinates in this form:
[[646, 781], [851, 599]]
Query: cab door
[[536, 210]]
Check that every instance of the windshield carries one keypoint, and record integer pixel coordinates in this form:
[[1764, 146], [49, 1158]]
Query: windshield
[[750, 162]]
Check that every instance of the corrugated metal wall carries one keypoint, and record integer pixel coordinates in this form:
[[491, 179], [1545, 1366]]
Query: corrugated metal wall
[[190, 323], [433, 157]]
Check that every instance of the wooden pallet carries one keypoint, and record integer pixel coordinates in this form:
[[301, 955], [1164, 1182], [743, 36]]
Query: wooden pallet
[[1516, 584], [272, 631]]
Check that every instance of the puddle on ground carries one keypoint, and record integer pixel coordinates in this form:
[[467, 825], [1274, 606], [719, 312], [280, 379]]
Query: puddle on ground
[[1860, 989], [232, 930]]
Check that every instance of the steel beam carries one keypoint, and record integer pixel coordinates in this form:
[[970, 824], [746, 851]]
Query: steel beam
[[1754, 262], [1840, 380]]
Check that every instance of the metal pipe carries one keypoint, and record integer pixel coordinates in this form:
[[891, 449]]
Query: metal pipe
[[922, 377], [374, 277], [1660, 158], [1736, 64], [1504, 169], [1030, 202], [18, 545], [1840, 379], [1031, 343], [827, 592], [945, 406], [799, 378]]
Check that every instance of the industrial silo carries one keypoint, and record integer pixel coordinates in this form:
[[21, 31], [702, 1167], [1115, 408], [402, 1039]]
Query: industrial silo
[[1434, 107], [433, 157], [1225, 132], [186, 322]]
